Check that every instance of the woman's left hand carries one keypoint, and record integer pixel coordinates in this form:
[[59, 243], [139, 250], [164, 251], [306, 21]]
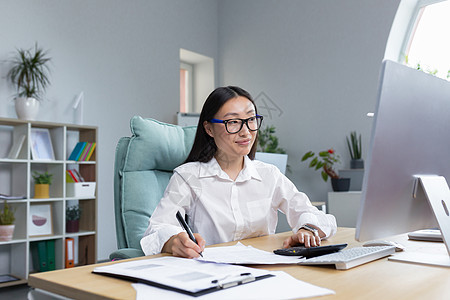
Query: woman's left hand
[[302, 236]]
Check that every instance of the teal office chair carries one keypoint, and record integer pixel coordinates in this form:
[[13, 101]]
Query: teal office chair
[[143, 166]]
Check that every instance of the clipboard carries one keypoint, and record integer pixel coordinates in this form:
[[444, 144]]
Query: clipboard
[[193, 277]]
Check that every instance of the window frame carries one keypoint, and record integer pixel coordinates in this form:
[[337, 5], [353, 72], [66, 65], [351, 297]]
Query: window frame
[[189, 86]]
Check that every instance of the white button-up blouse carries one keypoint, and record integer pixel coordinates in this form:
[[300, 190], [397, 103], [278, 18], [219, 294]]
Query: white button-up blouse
[[223, 210]]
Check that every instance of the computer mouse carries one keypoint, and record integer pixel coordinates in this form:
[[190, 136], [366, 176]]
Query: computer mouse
[[398, 247]]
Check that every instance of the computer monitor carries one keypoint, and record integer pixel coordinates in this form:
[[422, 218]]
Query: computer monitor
[[410, 138]]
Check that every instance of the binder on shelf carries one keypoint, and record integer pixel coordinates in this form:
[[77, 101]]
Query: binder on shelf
[[51, 255], [70, 252], [76, 151], [39, 254]]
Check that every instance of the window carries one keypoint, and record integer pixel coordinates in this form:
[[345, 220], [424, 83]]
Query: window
[[196, 80], [427, 46]]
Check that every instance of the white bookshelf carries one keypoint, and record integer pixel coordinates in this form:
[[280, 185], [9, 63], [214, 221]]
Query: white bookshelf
[[16, 179]]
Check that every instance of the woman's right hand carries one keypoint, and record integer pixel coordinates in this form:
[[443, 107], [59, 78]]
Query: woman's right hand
[[182, 246]]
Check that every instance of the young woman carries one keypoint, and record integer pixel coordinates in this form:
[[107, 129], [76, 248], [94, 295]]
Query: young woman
[[225, 193]]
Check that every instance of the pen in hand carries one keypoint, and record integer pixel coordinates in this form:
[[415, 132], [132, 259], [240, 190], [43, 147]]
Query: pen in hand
[[187, 228]]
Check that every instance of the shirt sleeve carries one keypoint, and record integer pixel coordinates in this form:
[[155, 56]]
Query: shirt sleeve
[[163, 223], [299, 210]]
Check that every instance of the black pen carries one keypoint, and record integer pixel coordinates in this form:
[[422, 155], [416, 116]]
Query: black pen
[[187, 228]]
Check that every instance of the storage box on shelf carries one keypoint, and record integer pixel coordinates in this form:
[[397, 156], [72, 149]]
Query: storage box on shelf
[[80, 189], [17, 164]]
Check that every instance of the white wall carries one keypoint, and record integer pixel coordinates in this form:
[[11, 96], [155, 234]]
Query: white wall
[[318, 61], [124, 55]]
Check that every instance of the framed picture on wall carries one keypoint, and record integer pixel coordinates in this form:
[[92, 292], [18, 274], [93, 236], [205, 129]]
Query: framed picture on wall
[[41, 144], [40, 222]]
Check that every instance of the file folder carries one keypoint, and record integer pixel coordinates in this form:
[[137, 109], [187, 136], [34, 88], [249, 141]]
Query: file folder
[[51, 255], [70, 252], [187, 276], [39, 255]]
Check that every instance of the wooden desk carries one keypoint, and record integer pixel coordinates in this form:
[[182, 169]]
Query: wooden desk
[[380, 279]]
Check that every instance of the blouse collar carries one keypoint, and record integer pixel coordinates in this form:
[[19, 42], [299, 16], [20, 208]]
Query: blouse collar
[[212, 168]]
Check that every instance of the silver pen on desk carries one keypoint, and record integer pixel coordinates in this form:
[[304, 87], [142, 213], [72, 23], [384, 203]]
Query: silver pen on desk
[[187, 228]]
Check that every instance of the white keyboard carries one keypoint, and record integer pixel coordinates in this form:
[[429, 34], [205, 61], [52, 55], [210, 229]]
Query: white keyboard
[[349, 258]]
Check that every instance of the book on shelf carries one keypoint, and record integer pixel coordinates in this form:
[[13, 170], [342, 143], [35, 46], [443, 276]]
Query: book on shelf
[[76, 151], [9, 197], [72, 175], [82, 151]]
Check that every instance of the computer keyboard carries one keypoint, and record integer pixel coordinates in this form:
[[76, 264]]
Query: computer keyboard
[[349, 258]]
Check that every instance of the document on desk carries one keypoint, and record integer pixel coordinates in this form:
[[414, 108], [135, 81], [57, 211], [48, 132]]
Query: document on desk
[[240, 254], [183, 275], [280, 286]]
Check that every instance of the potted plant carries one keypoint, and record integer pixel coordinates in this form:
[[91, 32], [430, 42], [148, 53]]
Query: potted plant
[[325, 161], [6, 222], [42, 183], [269, 150], [354, 147], [73, 214], [30, 76]]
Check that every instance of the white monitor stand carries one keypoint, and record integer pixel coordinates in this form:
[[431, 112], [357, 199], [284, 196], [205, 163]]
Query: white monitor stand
[[437, 192]]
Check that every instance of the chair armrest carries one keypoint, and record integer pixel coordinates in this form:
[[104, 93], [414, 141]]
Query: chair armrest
[[126, 253]]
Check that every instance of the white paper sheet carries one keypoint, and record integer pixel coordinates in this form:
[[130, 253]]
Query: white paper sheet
[[281, 286], [241, 254]]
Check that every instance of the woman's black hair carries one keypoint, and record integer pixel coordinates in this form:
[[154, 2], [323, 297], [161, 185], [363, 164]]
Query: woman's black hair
[[204, 146]]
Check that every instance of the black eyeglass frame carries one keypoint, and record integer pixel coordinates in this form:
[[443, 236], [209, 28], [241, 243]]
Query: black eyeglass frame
[[242, 123]]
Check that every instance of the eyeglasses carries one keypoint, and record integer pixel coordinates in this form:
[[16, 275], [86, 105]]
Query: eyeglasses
[[235, 125]]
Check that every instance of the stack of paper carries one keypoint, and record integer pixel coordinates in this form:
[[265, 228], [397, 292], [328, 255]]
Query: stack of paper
[[246, 255]]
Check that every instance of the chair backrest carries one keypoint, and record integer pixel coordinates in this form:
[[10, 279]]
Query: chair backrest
[[144, 164]]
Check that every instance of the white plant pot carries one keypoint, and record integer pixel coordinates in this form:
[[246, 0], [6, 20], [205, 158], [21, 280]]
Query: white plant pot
[[6, 232], [27, 108]]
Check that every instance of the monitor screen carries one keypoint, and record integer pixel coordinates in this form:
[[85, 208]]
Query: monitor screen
[[410, 136]]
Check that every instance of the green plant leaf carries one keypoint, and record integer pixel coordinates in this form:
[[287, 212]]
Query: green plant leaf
[[324, 153], [319, 165], [29, 73], [307, 155], [324, 176], [313, 162]]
